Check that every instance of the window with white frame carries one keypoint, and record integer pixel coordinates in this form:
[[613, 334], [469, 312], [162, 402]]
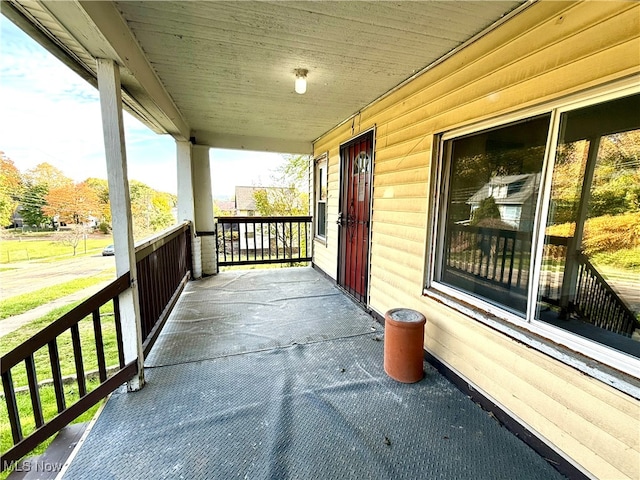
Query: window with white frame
[[538, 222], [320, 176]]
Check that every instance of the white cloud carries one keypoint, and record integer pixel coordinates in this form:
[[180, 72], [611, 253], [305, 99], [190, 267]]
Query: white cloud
[[50, 114]]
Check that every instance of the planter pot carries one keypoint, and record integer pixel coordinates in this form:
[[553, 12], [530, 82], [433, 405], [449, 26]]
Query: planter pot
[[403, 344]]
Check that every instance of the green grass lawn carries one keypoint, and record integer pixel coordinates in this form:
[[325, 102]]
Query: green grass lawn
[[65, 348], [32, 248], [28, 301]]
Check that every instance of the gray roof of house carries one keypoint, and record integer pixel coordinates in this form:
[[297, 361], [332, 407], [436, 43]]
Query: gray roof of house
[[522, 187], [244, 198]]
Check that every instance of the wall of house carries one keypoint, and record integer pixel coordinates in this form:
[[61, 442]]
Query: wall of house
[[549, 50]]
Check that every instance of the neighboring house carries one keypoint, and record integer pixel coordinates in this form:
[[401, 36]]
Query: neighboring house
[[515, 197], [251, 237], [16, 219], [245, 201], [226, 207]]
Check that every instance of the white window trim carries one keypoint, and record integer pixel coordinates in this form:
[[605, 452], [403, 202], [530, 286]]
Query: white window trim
[[317, 163], [513, 325]]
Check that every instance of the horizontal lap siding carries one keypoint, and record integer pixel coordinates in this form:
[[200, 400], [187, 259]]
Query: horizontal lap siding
[[562, 405], [550, 50], [325, 254]]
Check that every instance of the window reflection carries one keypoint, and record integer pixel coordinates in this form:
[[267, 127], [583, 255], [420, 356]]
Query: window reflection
[[590, 278], [494, 183]]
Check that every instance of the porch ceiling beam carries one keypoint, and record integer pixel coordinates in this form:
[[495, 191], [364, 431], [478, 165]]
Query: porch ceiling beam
[[260, 144], [109, 22]]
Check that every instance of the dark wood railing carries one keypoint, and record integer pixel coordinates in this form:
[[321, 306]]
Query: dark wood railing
[[263, 240], [163, 266], [502, 257], [597, 303], [499, 257], [50, 338]]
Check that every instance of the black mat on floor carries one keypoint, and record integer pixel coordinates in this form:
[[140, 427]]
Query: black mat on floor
[[245, 311], [233, 398], [318, 411]]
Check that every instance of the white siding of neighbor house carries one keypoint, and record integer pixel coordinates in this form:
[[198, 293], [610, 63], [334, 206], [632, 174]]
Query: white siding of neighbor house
[[548, 51]]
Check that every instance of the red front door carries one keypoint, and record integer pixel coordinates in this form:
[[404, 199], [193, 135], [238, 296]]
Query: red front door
[[356, 158]]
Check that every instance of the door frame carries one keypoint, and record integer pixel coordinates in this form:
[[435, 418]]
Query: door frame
[[353, 139]]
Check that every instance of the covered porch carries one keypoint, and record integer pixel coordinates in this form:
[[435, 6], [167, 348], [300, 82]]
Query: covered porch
[[278, 374]]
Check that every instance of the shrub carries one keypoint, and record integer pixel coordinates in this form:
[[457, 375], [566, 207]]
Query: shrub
[[104, 228]]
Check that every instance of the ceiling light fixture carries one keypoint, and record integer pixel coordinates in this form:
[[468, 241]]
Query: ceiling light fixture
[[301, 80]]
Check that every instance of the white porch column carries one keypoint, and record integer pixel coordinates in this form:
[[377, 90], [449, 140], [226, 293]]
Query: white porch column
[[121, 221], [186, 206], [203, 202]]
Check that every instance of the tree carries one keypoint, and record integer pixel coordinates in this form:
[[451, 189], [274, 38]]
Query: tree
[[101, 189], [11, 187], [48, 175], [151, 210], [73, 236], [33, 200], [38, 181], [291, 198], [74, 203]]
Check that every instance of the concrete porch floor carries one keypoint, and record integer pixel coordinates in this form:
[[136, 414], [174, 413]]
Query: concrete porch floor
[[266, 374]]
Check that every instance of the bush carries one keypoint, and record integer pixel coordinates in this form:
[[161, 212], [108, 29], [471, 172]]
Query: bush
[[104, 228]]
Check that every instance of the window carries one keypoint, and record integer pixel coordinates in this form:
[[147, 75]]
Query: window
[[538, 222], [488, 223], [321, 196], [590, 276]]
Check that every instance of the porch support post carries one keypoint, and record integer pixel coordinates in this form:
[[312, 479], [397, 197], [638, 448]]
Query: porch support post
[[570, 277], [121, 221], [186, 206], [203, 201]]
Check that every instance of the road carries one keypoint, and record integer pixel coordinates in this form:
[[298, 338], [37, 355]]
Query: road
[[27, 277]]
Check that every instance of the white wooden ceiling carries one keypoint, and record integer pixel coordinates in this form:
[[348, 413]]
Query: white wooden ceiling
[[223, 72]]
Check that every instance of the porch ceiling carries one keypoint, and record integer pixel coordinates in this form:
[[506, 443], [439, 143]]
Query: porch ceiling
[[223, 72]]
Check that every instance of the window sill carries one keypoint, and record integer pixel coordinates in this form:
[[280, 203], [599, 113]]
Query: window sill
[[532, 336], [321, 240]]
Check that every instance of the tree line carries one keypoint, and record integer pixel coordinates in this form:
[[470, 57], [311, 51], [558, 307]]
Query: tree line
[[46, 198]]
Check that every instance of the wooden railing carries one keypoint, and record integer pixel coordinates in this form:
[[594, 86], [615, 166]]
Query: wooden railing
[[263, 240], [499, 257], [48, 341], [597, 303], [163, 266]]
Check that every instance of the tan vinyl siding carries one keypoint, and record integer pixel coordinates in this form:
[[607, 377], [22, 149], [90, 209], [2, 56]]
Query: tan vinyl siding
[[550, 50], [324, 253]]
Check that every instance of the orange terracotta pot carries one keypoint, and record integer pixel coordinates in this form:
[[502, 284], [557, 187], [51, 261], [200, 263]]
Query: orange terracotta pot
[[403, 344]]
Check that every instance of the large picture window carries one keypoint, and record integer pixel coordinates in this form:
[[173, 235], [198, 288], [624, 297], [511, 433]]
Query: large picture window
[[492, 191], [540, 219]]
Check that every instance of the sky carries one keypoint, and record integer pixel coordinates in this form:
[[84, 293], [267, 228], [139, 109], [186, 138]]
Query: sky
[[50, 114]]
